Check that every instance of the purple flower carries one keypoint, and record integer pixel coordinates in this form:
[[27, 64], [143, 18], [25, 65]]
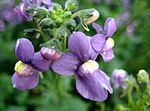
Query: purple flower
[[102, 42], [20, 10], [44, 3], [27, 70], [118, 78], [91, 82]]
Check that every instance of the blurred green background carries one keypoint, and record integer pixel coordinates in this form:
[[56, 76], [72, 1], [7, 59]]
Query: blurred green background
[[132, 53]]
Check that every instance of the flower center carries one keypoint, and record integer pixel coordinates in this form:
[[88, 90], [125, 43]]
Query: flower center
[[89, 67], [23, 69], [108, 44]]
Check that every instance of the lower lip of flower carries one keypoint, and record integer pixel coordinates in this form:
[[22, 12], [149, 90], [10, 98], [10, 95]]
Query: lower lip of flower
[[23, 69], [89, 67]]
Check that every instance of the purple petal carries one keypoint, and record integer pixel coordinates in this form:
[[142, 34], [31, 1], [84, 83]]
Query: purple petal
[[20, 10], [97, 27], [98, 42], [47, 2], [24, 50], [110, 26], [107, 55], [39, 63], [94, 86], [118, 78], [25, 82], [78, 44], [66, 65]]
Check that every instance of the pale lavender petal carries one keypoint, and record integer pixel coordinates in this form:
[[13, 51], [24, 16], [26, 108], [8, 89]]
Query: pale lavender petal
[[97, 27], [25, 82], [24, 50], [98, 42], [39, 63], [107, 55], [94, 86], [47, 2], [110, 26], [78, 44], [118, 78], [92, 52], [37, 2], [66, 65]]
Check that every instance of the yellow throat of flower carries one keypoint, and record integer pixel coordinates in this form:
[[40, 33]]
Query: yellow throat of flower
[[90, 66], [20, 67]]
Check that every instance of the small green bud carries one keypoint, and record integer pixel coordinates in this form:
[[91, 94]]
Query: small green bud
[[71, 24], [62, 32], [142, 76], [57, 8], [67, 14], [47, 22], [71, 5]]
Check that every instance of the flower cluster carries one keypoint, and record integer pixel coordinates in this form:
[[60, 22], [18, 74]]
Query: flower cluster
[[78, 59], [7, 14]]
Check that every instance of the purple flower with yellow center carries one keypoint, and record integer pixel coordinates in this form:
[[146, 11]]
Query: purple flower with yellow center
[[118, 78], [27, 70], [91, 82], [102, 42]]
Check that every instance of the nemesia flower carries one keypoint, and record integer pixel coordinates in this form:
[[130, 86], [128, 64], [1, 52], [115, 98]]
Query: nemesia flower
[[118, 78], [27, 70], [102, 42], [91, 82], [20, 10], [46, 3]]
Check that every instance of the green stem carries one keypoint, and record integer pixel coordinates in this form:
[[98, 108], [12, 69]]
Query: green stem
[[130, 99], [43, 35]]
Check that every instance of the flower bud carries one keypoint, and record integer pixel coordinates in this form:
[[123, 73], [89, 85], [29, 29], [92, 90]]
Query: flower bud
[[57, 8], [142, 76], [88, 15], [47, 22], [94, 17], [118, 78], [71, 24], [50, 54], [71, 5]]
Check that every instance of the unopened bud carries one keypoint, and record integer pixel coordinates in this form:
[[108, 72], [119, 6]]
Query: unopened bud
[[94, 17], [142, 76], [71, 5], [50, 54]]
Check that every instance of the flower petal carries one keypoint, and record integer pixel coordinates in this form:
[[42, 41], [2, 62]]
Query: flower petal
[[66, 65], [24, 50], [98, 42], [97, 27], [78, 44], [107, 55], [39, 63], [94, 86], [25, 82], [110, 26], [47, 2]]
